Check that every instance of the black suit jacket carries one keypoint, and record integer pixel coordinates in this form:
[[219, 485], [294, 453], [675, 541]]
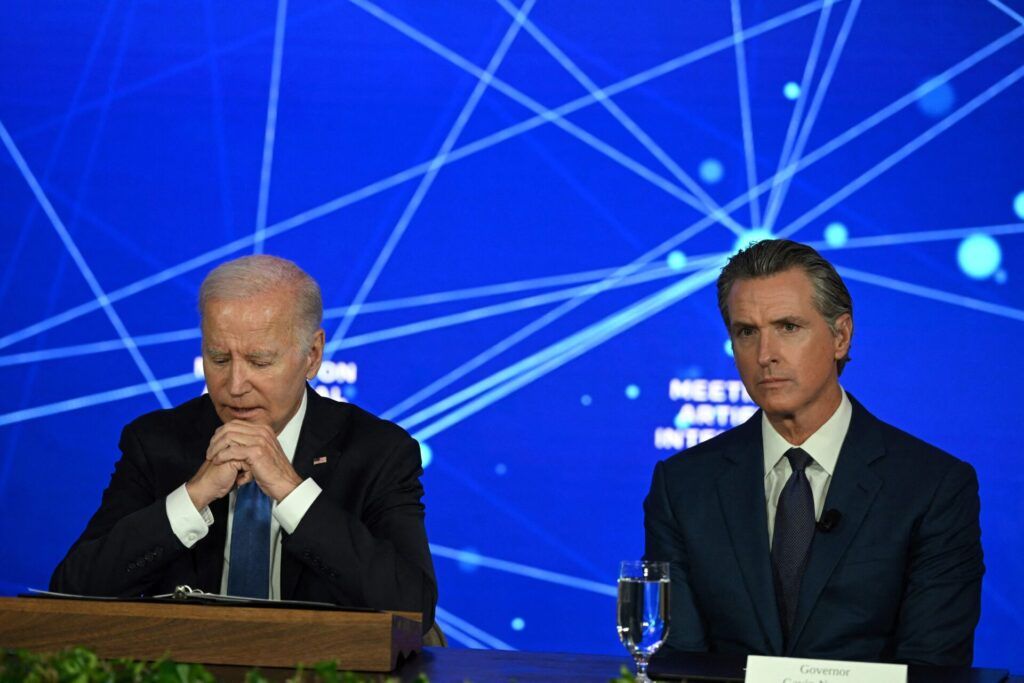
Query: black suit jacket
[[898, 579], [362, 543]]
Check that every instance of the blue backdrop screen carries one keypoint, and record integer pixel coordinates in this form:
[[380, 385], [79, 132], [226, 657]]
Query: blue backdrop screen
[[516, 213]]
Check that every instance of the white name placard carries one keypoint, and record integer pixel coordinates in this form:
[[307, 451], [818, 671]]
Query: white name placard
[[792, 670]]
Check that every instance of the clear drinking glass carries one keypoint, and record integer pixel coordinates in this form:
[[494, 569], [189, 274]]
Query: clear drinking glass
[[643, 610]]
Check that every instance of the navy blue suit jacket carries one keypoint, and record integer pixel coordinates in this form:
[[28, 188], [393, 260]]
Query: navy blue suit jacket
[[361, 544], [898, 579]]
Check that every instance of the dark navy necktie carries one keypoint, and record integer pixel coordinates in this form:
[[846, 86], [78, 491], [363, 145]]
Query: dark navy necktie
[[249, 565], [794, 530]]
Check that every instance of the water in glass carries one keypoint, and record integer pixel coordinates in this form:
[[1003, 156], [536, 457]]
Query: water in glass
[[643, 609]]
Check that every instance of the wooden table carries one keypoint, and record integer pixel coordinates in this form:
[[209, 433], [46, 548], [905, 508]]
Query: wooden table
[[231, 640], [211, 634]]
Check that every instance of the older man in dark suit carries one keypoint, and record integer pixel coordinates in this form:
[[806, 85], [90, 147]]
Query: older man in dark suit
[[814, 529], [261, 488]]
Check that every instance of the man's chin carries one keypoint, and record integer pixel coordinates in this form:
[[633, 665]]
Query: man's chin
[[776, 407]]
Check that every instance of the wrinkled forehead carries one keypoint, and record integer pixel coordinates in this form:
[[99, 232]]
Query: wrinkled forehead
[[258, 322]]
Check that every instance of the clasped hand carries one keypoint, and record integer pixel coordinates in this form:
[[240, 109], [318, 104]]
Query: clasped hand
[[241, 452]]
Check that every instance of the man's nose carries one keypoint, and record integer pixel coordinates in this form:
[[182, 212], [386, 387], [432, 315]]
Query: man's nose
[[767, 350], [238, 379]]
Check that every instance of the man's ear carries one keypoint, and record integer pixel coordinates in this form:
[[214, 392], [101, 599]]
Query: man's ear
[[843, 334], [315, 355]]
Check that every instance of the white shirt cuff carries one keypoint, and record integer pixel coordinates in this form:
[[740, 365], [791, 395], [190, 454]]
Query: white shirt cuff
[[290, 511], [187, 523]]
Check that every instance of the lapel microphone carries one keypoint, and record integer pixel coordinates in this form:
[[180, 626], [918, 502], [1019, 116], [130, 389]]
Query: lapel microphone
[[829, 520]]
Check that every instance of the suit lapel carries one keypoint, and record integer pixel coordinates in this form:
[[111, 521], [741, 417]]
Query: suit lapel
[[852, 491], [314, 454], [741, 495], [315, 457]]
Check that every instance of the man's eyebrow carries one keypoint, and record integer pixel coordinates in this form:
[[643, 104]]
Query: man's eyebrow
[[261, 355], [786, 319]]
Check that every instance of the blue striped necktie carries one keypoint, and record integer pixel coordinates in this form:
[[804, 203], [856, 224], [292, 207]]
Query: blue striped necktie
[[794, 530], [249, 565]]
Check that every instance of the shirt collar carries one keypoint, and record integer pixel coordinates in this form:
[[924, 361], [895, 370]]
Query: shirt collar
[[289, 436], [823, 445]]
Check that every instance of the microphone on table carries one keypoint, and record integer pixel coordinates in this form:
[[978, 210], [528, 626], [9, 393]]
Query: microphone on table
[[829, 520]]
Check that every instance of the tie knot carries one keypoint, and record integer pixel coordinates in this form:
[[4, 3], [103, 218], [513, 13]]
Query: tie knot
[[798, 459]]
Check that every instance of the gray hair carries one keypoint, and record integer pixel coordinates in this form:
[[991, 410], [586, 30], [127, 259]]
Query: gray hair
[[261, 273], [771, 257]]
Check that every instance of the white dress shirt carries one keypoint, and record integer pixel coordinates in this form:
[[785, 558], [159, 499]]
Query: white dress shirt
[[823, 446], [191, 525]]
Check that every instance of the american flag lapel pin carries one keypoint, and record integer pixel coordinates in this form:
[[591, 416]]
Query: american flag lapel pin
[[320, 461]]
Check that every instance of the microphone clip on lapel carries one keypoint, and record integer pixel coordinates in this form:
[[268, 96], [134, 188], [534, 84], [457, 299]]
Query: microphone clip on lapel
[[829, 520]]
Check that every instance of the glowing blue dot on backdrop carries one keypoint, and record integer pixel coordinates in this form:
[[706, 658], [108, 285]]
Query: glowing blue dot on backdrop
[[426, 455], [979, 256], [1000, 277], [727, 347], [518, 624], [711, 171], [836, 234], [937, 101], [1018, 205], [791, 90], [676, 260], [586, 399], [632, 392], [501, 469]]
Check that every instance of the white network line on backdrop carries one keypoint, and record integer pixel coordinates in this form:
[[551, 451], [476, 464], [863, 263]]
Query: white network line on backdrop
[[519, 569], [631, 126], [472, 315], [483, 81], [270, 131], [989, 49], [384, 184], [796, 116], [83, 267], [781, 184]]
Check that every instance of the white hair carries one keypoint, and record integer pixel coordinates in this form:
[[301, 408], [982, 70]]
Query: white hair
[[261, 273]]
